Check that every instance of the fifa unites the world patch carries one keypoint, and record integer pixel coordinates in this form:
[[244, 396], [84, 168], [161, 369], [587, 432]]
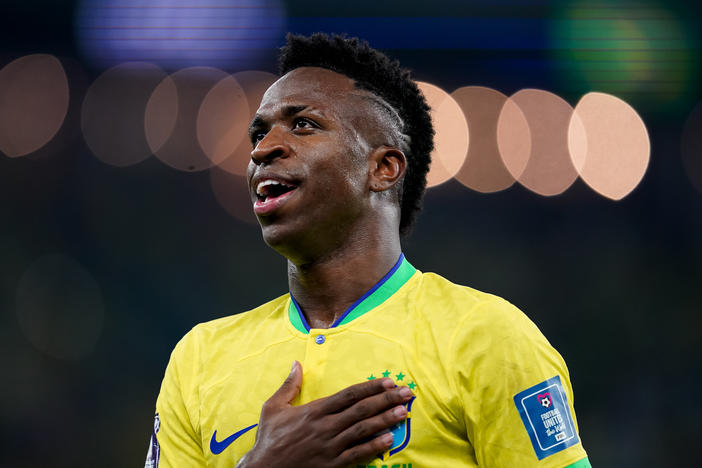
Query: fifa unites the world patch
[[154, 454], [547, 417]]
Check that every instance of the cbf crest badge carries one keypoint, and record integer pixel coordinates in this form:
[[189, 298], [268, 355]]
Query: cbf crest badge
[[401, 431]]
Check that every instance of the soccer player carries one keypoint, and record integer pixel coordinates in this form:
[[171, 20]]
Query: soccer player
[[391, 367]]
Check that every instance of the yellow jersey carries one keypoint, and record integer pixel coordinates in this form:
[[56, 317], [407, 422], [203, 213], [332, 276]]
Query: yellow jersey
[[489, 389]]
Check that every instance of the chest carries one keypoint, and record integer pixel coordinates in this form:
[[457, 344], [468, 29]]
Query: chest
[[231, 399]]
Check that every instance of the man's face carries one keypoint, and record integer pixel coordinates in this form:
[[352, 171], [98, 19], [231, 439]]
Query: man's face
[[309, 173]]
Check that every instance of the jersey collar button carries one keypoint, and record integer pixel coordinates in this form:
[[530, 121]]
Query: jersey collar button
[[319, 339]]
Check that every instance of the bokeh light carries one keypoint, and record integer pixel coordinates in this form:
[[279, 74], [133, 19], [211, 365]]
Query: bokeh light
[[549, 170], [223, 119], [161, 114], [609, 144], [254, 83], [171, 118], [112, 116], [451, 140], [59, 307], [513, 138], [691, 146], [34, 100], [640, 51], [232, 193], [483, 169], [231, 34], [228, 178]]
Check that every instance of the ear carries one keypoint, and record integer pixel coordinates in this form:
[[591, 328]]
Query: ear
[[387, 166]]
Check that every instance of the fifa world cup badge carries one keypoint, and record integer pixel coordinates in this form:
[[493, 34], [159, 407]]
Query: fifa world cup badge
[[154, 454], [547, 417]]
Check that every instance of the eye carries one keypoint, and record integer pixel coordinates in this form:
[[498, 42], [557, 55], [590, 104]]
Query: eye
[[302, 123], [257, 136]]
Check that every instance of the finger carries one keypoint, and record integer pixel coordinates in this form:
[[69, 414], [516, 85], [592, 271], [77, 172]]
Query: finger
[[290, 387], [371, 426], [372, 405], [365, 451], [353, 394]]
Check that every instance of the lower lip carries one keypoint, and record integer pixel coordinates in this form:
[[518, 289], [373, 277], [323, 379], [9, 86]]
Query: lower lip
[[264, 207]]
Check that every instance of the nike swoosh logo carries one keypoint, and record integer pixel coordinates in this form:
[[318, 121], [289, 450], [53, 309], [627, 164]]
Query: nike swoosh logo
[[218, 447]]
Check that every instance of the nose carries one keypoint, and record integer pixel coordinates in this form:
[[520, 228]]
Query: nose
[[272, 146]]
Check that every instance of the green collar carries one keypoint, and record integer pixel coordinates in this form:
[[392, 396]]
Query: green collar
[[383, 289]]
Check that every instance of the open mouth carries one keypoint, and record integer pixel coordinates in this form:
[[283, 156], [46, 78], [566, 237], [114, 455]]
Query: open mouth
[[271, 193]]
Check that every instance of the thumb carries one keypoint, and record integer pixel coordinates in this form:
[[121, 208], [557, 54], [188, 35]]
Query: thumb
[[290, 387]]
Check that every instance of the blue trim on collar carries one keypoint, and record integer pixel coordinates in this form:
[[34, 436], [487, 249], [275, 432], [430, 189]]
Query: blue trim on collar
[[360, 300], [299, 312], [370, 291]]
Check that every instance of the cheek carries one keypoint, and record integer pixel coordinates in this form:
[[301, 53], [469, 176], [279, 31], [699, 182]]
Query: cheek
[[250, 168], [347, 184], [338, 168]]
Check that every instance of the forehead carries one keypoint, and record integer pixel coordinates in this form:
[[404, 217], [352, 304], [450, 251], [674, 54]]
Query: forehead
[[318, 87]]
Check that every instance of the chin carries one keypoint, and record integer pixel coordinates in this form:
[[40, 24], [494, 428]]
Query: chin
[[273, 237], [280, 238], [295, 243]]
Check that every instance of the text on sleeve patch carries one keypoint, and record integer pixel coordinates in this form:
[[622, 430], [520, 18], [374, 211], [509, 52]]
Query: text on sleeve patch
[[547, 417]]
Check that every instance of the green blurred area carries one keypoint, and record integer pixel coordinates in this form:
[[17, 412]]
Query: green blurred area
[[644, 52]]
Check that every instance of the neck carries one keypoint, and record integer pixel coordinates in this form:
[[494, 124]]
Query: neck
[[327, 286]]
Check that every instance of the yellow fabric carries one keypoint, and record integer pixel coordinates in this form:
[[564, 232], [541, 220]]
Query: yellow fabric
[[466, 353]]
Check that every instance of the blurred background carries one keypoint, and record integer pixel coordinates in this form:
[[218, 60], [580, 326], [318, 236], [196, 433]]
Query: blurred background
[[567, 179]]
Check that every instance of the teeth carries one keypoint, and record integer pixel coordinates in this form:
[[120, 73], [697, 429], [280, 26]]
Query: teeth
[[265, 183], [259, 189]]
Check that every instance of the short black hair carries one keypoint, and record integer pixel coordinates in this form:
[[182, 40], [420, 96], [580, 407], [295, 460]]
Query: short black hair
[[375, 72]]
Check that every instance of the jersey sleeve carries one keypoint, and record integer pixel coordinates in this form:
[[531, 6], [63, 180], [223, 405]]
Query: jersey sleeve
[[176, 440], [515, 390]]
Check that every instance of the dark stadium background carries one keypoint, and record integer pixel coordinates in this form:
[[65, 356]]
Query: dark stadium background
[[616, 286]]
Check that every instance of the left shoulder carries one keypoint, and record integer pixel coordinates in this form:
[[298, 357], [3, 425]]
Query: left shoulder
[[465, 303], [439, 290], [473, 316]]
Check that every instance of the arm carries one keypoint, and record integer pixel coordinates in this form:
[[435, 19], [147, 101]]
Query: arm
[[176, 440], [330, 432], [518, 400]]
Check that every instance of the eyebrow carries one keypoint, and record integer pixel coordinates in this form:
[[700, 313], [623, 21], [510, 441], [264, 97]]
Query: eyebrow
[[287, 111]]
